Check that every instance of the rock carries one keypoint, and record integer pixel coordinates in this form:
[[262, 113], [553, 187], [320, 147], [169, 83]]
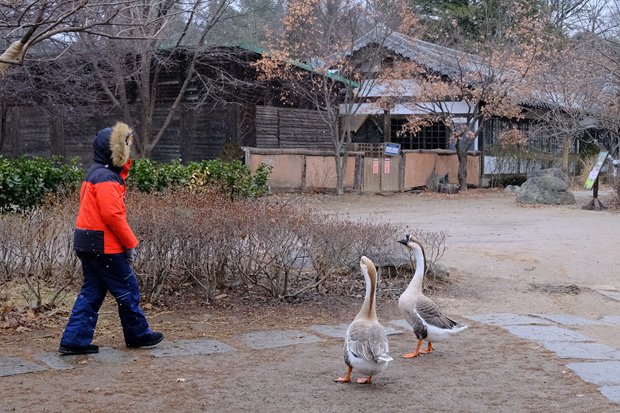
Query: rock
[[448, 188], [556, 172], [512, 189], [548, 187], [433, 183]]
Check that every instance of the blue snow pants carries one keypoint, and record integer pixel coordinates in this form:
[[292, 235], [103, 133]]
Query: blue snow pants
[[103, 273]]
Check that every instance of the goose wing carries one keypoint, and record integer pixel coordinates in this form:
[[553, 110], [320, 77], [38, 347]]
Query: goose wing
[[367, 341], [432, 315]]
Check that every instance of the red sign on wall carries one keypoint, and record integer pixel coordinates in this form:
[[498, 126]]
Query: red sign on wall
[[386, 166], [375, 166]]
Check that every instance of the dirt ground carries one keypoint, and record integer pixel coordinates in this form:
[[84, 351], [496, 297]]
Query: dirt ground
[[503, 258]]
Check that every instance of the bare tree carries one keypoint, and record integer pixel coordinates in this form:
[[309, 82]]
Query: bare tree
[[63, 90], [319, 37], [597, 18], [189, 39], [575, 88], [566, 14], [464, 91], [27, 23]]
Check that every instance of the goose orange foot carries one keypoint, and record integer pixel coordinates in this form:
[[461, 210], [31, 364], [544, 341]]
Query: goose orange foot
[[346, 378], [418, 351], [367, 380], [411, 355]]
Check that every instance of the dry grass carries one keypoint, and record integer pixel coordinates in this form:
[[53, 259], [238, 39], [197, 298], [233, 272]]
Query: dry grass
[[198, 246]]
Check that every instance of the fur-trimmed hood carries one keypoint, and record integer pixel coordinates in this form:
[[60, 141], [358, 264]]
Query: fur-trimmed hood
[[113, 145]]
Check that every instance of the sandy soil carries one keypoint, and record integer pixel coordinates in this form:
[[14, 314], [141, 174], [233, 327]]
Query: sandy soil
[[502, 258]]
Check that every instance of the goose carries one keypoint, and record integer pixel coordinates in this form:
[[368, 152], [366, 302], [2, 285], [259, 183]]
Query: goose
[[366, 344], [424, 316]]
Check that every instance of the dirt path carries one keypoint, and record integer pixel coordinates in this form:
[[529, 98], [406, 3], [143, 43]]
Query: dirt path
[[503, 258]]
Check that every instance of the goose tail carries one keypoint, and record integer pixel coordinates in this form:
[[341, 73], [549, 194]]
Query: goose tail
[[385, 357], [458, 328]]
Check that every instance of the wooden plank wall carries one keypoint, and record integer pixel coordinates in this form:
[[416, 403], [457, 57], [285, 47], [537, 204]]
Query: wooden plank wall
[[169, 146], [291, 128], [210, 131], [267, 127], [194, 133], [34, 132]]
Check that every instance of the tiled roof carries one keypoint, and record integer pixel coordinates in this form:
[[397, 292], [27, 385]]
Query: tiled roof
[[440, 59]]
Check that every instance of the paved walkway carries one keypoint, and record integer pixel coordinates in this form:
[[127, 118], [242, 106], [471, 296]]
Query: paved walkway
[[593, 362]]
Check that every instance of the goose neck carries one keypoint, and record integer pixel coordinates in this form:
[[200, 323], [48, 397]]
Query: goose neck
[[369, 310], [418, 275]]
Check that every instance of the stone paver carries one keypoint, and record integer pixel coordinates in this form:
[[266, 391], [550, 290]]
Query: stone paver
[[196, 347], [568, 344], [580, 350], [541, 334], [335, 331], [339, 330], [54, 360], [572, 320], [13, 365], [105, 355], [277, 338], [612, 393], [112, 355], [565, 343], [614, 295], [391, 331], [508, 319], [402, 324], [603, 373], [611, 319]]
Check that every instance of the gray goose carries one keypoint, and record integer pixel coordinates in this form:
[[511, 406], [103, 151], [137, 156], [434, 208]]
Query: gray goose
[[366, 344], [422, 314]]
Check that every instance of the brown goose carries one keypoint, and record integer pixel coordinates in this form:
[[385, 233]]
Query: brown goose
[[426, 319], [366, 345]]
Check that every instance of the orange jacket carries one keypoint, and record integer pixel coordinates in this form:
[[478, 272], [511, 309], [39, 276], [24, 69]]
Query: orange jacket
[[101, 225]]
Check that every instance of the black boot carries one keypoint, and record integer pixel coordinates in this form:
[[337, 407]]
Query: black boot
[[149, 340], [74, 350]]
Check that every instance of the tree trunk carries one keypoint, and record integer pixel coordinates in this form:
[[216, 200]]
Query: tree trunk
[[11, 54], [387, 126], [145, 113], [341, 146], [339, 173], [4, 108], [461, 153], [566, 144]]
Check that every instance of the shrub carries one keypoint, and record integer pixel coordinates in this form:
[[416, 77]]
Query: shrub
[[212, 241], [36, 252], [209, 241], [150, 176], [232, 178], [25, 182], [204, 240]]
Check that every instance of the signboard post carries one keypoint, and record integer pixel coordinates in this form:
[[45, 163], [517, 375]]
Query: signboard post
[[392, 149], [592, 182]]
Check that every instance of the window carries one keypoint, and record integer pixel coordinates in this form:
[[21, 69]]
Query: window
[[429, 137]]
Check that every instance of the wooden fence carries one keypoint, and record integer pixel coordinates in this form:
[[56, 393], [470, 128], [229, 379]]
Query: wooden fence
[[306, 170]]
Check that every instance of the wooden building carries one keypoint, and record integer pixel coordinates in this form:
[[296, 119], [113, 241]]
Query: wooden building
[[240, 110]]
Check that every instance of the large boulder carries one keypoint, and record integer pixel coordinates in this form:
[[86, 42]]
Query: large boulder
[[548, 187]]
